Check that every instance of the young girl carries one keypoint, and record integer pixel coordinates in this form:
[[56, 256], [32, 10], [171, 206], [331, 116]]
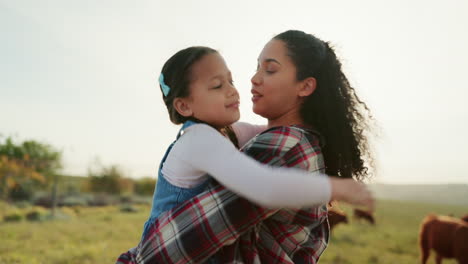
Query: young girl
[[199, 93]]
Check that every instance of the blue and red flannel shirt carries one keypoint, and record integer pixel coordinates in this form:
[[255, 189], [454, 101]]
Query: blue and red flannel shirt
[[219, 225]]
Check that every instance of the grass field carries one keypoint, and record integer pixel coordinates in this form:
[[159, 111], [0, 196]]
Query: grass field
[[98, 235], [394, 238]]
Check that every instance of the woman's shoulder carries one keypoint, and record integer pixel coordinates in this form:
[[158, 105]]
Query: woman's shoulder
[[277, 134], [289, 137], [297, 132], [287, 146]]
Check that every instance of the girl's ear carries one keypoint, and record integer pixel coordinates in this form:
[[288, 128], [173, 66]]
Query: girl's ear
[[183, 106], [308, 87]]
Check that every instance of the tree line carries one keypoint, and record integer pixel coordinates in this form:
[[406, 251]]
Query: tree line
[[31, 166]]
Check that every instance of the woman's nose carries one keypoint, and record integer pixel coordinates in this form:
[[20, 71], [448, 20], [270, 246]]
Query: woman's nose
[[255, 79]]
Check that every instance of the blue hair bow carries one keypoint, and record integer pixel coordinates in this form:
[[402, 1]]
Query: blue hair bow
[[166, 89]]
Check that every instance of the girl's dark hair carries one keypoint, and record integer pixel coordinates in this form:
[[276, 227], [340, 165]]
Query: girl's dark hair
[[333, 108], [178, 75]]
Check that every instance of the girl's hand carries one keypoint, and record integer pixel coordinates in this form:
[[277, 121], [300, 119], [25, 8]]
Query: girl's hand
[[352, 192]]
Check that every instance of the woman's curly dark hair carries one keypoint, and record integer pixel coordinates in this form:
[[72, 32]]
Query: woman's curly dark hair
[[334, 108]]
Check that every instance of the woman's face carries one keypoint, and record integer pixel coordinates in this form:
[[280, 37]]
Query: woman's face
[[274, 85]]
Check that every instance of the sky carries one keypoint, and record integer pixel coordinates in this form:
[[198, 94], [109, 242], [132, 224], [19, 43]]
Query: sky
[[82, 75]]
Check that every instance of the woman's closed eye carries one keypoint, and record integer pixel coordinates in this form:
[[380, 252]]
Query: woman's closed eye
[[267, 70], [270, 70]]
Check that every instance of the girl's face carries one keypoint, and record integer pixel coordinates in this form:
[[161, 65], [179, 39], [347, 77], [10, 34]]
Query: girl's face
[[274, 85], [213, 97]]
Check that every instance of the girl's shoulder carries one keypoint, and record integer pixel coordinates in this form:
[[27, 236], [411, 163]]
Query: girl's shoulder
[[197, 134], [198, 129]]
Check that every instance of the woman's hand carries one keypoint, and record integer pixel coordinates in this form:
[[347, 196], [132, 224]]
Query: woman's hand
[[352, 192]]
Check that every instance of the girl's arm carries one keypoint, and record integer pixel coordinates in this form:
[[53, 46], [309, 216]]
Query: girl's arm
[[246, 131], [207, 150]]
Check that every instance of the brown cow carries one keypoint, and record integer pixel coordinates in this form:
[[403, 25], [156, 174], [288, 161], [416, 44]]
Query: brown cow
[[448, 237], [358, 213], [465, 218], [335, 217]]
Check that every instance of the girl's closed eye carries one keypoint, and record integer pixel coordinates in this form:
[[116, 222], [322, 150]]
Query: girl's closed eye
[[217, 86]]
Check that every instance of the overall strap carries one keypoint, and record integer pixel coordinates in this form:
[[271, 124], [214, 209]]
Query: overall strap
[[186, 125]]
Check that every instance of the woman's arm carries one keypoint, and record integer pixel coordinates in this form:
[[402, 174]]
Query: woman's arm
[[265, 185]]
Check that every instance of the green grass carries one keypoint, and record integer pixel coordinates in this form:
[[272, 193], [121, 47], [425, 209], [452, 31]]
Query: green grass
[[95, 235], [99, 235]]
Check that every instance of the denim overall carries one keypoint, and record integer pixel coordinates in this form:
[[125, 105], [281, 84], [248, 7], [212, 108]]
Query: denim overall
[[168, 196]]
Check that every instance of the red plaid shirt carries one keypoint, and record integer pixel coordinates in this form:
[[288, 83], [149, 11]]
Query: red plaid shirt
[[221, 226]]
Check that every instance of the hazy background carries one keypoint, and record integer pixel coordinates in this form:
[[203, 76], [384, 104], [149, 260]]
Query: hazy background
[[82, 75]]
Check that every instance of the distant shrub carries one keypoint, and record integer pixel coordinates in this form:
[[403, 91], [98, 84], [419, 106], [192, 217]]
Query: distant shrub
[[36, 214], [44, 201], [22, 192], [128, 208], [108, 180], [13, 217], [33, 216], [144, 186]]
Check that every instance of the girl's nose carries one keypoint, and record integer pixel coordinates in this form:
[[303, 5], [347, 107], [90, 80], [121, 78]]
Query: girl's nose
[[232, 91]]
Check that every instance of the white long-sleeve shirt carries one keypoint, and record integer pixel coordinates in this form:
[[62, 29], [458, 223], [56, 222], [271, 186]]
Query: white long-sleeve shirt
[[202, 149]]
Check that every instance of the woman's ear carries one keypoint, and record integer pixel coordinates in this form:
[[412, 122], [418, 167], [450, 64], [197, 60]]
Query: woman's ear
[[183, 106], [308, 87]]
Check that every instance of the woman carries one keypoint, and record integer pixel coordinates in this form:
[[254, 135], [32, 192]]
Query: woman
[[314, 118]]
